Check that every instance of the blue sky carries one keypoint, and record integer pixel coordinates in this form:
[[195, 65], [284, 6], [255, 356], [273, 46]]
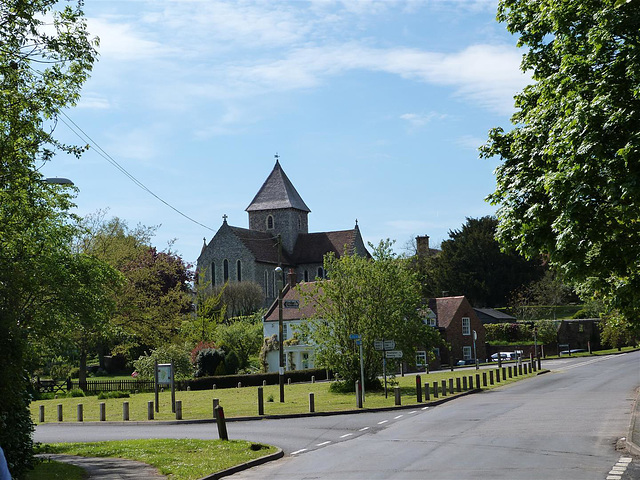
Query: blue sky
[[376, 109]]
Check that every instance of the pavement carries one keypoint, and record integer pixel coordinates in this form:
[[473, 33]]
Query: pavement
[[121, 469]]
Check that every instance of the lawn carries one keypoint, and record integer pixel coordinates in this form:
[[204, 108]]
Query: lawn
[[241, 402], [178, 459]]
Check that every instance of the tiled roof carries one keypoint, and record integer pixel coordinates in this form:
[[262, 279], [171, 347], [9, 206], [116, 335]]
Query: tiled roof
[[262, 245], [311, 247], [304, 309], [445, 309], [277, 192], [493, 313]]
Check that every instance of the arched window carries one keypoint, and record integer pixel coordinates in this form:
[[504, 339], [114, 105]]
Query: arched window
[[266, 284], [213, 274], [269, 222], [239, 271], [225, 267], [320, 272], [306, 275]]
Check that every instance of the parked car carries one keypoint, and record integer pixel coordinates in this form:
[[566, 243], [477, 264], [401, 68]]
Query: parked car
[[572, 351], [471, 361], [506, 355]]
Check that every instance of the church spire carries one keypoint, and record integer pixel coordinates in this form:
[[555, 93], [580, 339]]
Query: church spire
[[277, 192]]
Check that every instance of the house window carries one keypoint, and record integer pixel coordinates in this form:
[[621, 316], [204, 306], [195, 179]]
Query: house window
[[225, 268], [436, 352], [270, 222], [429, 321], [466, 326], [306, 275], [266, 284], [213, 274], [239, 270], [421, 358], [320, 272], [466, 353], [305, 360], [285, 331]]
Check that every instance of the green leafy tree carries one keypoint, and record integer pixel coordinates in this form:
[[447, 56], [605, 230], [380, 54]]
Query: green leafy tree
[[569, 183], [243, 337], [376, 299], [42, 68], [618, 332], [472, 264]]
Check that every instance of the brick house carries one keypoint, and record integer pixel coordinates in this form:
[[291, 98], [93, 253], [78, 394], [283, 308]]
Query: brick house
[[278, 234], [456, 320]]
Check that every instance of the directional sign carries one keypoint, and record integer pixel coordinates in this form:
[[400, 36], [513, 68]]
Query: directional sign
[[394, 354], [378, 344], [389, 344], [354, 336], [358, 342]]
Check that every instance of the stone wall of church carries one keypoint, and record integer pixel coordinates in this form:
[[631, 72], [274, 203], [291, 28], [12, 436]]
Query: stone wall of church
[[226, 246], [286, 222]]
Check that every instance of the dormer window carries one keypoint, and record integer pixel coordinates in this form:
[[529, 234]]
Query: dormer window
[[270, 222]]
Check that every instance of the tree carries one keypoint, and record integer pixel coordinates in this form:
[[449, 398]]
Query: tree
[[617, 331], [569, 183], [376, 299], [242, 336], [539, 298], [240, 298], [42, 68], [472, 264]]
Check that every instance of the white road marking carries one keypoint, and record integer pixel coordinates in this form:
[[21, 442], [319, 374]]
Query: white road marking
[[399, 416], [363, 429], [346, 435], [411, 413], [424, 408], [323, 443], [619, 469], [383, 421], [299, 451]]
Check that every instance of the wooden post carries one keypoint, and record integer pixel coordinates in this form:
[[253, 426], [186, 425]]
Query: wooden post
[[358, 395], [125, 411], [59, 412], [484, 379], [41, 413], [435, 389], [397, 395], [418, 389], [458, 388], [451, 386], [80, 412], [490, 377], [103, 411], [498, 375], [313, 379], [510, 371], [477, 380], [221, 422], [260, 401], [426, 392], [178, 409], [312, 403], [150, 410], [444, 388], [216, 402], [464, 384]]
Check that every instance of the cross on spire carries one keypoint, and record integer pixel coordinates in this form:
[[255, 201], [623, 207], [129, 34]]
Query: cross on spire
[[277, 157], [224, 217]]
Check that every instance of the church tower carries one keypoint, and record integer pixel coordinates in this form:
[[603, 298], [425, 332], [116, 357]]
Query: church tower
[[279, 209]]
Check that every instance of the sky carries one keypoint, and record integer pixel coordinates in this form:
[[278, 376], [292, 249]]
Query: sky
[[376, 109]]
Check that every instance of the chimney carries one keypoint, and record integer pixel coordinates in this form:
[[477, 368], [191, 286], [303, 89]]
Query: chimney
[[291, 278], [422, 246]]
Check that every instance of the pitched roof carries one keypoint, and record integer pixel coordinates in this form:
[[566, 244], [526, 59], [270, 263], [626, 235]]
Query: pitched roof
[[311, 247], [294, 305], [277, 191], [262, 245], [487, 315], [445, 309]]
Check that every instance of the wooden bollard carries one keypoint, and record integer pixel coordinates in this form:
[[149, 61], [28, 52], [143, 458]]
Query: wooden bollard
[[490, 377], [520, 369], [213, 387], [150, 410], [60, 412], [464, 384], [313, 379], [451, 386], [444, 388], [103, 411], [427, 395], [498, 375], [239, 384], [41, 413], [418, 389], [435, 389], [510, 371], [221, 421], [264, 383], [504, 373], [178, 409], [125, 411], [289, 381], [477, 380], [484, 379], [260, 401], [216, 402], [312, 403], [458, 388], [396, 391], [80, 412], [526, 369], [470, 382], [358, 395]]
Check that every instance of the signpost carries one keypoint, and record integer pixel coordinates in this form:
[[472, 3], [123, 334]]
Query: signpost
[[387, 347], [358, 339], [164, 373]]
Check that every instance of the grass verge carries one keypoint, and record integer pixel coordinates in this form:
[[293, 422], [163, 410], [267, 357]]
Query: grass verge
[[179, 459]]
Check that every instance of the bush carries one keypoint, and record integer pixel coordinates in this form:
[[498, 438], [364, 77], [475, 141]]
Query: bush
[[254, 380], [105, 395], [231, 363], [165, 354], [76, 392], [207, 361]]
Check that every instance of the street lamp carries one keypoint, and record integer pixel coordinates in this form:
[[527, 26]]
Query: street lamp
[[280, 276]]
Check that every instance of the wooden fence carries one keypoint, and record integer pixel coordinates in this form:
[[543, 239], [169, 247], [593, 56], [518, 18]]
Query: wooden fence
[[96, 386]]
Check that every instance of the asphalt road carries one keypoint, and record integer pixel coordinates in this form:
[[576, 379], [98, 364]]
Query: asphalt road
[[564, 424]]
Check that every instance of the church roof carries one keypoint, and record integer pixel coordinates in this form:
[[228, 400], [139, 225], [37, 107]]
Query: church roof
[[277, 192], [311, 247], [262, 245]]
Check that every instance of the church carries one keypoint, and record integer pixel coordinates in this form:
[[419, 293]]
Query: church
[[278, 234]]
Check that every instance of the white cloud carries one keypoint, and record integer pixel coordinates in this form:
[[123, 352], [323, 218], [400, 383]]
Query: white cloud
[[419, 120], [470, 142], [92, 100], [120, 40]]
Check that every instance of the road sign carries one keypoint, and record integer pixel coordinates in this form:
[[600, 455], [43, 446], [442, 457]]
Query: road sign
[[394, 354], [358, 342], [354, 336], [378, 344], [389, 344]]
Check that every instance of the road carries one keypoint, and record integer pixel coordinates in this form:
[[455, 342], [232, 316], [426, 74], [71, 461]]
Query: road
[[564, 424]]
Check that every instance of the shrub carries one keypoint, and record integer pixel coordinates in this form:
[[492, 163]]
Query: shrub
[[207, 361], [198, 348], [118, 394], [76, 392], [165, 354], [231, 363]]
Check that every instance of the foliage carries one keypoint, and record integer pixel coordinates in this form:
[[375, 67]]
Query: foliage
[[45, 57], [618, 332], [533, 301], [545, 330], [231, 363], [207, 361], [210, 311], [569, 183], [269, 344], [178, 354], [117, 394], [198, 348], [376, 299], [472, 264], [241, 336], [240, 298]]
